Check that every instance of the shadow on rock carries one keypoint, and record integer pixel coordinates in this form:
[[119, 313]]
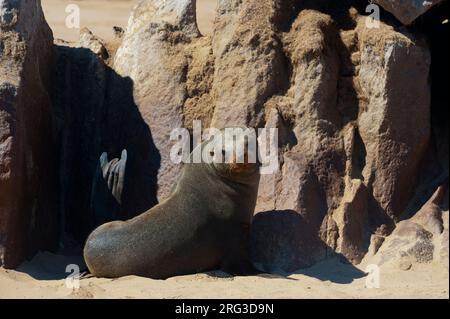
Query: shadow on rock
[[281, 243], [95, 112]]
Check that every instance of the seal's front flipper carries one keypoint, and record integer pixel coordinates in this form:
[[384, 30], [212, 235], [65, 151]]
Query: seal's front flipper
[[107, 188]]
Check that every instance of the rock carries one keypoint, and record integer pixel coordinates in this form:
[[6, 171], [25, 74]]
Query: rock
[[430, 215], [352, 220], [269, 185], [278, 242], [118, 32], [244, 39], [28, 178], [152, 55], [409, 241], [350, 171], [443, 252], [312, 172], [90, 41], [395, 144], [199, 104], [405, 262], [407, 11], [375, 243], [336, 90], [419, 239]]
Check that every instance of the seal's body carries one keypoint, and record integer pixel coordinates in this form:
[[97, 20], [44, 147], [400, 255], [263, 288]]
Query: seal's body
[[203, 224]]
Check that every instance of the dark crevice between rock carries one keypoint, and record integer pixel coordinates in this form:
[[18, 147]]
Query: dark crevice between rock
[[358, 157], [435, 166], [94, 112]]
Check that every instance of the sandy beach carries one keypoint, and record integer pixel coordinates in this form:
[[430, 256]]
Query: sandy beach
[[44, 277], [100, 16]]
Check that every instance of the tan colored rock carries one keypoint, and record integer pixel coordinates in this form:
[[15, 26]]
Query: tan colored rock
[[95, 44], [420, 239], [430, 215], [352, 220], [152, 55], [352, 168], [28, 179], [395, 136], [311, 178], [353, 127], [249, 62]]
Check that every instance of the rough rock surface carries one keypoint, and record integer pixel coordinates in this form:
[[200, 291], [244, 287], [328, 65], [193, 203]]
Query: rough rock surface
[[352, 167], [407, 11], [245, 39], [28, 177], [395, 143], [336, 90], [333, 87], [422, 238], [354, 130], [152, 55]]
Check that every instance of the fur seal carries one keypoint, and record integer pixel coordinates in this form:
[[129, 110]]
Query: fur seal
[[204, 224]]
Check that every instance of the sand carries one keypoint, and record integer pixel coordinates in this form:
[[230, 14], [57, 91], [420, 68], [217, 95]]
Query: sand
[[101, 15], [44, 277]]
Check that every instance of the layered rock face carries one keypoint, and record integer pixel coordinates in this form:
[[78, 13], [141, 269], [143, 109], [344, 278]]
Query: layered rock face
[[352, 105], [28, 167], [354, 127]]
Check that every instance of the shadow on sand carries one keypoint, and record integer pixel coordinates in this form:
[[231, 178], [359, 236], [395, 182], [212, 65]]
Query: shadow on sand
[[48, 266], [284, 244]]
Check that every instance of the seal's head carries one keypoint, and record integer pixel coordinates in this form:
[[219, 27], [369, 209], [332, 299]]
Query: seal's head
[[234, 154]]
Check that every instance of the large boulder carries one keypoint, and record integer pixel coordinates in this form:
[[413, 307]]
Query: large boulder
[[153, 56], [395, 144], [420, 239], [355, 160], [245, 39], [28, 166], [407, 11]]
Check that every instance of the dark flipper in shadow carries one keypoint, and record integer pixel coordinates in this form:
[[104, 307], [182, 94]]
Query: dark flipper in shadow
[[107, 188]]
